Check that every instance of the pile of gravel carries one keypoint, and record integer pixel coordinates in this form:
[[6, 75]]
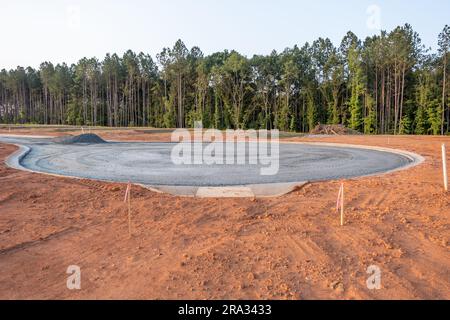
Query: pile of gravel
[[82, 138]]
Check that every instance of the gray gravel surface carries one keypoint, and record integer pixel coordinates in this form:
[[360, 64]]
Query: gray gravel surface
[[150, 163]]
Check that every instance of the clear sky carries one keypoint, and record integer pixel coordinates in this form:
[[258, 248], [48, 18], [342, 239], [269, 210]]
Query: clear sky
[[32, 31]]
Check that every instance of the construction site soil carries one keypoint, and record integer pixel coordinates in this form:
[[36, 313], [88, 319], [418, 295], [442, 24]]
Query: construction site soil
[[289, 247]]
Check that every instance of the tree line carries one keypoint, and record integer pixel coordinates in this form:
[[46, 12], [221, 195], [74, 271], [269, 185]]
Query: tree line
[[387, 84]]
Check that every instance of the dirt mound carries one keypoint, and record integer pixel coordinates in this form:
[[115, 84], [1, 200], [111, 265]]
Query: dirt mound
[[333, 129], [82, 138]]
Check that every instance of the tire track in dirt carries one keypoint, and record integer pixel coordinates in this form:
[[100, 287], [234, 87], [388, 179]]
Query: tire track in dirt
[[28, 244]]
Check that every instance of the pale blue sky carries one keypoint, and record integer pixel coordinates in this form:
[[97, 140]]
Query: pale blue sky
[[67, 30]]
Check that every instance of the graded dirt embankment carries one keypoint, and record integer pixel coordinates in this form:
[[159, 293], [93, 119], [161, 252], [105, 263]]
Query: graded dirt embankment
[[290, 247]]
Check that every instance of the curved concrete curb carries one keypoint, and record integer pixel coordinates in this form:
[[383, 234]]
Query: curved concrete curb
[[243, 191], [25, 136], [14, 160], [416, 159]]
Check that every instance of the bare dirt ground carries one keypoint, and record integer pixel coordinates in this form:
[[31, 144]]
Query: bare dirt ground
[[290, 247]]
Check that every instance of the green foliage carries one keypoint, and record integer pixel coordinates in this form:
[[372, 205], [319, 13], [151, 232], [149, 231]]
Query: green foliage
[[421, 123], [169, 114], [311, 114], [384, 83], [283, 118], [293, 124], [356, 88], [434, 116], [405, 125], [370, 121]]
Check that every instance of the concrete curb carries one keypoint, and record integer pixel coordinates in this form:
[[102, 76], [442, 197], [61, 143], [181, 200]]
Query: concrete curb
[[244, 191], [416, 159]]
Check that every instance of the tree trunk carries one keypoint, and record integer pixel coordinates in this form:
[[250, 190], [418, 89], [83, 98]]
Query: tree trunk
[[443, 93]]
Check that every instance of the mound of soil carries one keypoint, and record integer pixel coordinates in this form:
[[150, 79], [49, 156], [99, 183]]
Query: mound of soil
[[333, 129], [82, 138]]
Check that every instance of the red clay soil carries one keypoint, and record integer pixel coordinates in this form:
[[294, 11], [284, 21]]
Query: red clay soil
[[290, 247]]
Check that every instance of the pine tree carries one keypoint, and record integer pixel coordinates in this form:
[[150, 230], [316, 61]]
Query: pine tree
[[293, 124], [371, 118], [434, 116], [311, 114], [421, 124], [405, 125], [386, 83], [357, 88]]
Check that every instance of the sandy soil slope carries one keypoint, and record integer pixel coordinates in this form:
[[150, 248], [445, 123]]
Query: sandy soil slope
[[290, 247]]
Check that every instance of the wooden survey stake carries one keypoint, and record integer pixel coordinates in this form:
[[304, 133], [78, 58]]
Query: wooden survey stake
[[444, 167], [128, 199], [340, 203]]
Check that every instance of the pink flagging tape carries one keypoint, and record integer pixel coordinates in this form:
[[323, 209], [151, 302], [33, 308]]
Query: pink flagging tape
[[127, 192], [338, 201]]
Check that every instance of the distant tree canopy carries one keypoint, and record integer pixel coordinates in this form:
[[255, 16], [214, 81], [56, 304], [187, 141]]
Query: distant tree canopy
[[388, 83]]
